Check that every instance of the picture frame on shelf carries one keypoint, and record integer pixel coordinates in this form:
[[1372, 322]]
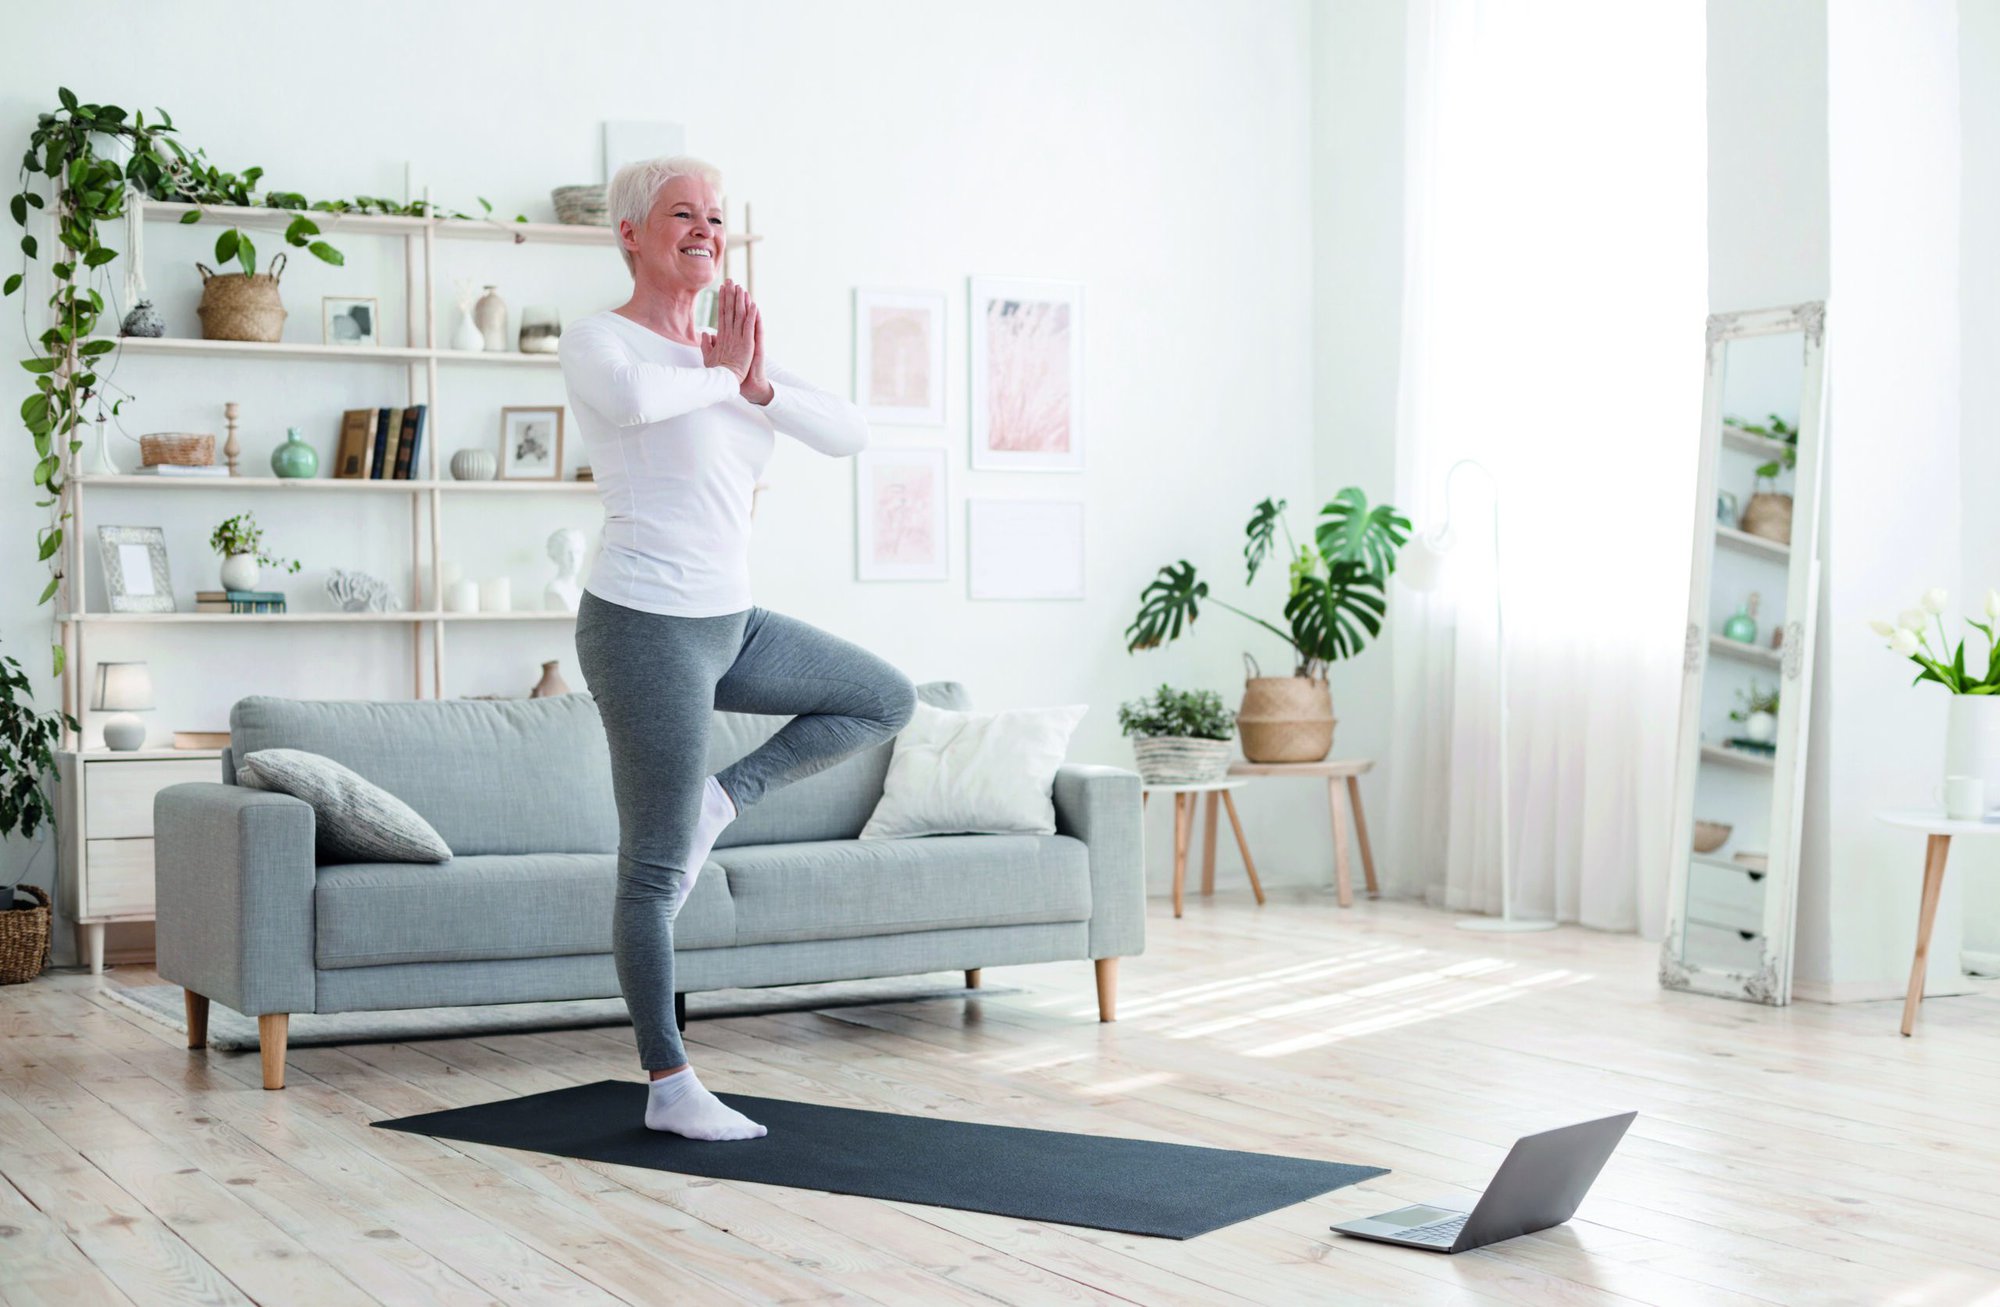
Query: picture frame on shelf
[[531, 443], [899, 351], [350, 320], [136, 576], [1024, 548], [1026, 344], [902, 527]]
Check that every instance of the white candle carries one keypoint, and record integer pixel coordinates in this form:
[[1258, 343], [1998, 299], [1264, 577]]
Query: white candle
[[462, 597], [496, 595], [450, 574]]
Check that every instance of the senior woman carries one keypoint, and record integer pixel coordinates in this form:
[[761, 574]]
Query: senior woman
[[678, 424]]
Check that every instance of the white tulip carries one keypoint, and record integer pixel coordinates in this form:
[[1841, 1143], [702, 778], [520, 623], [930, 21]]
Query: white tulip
[[1881, 628], [1993, 605], [1912, 619], [1904, 642], [1933, 600]]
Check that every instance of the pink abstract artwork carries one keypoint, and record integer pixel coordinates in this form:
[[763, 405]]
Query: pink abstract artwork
[[904, 514], [899, 357], [1028, 376]]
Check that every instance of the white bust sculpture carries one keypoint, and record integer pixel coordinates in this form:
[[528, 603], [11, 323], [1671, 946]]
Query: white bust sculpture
[[565, 592]]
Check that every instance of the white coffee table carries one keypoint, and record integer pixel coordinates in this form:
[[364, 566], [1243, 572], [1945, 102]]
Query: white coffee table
[[1940, 828]]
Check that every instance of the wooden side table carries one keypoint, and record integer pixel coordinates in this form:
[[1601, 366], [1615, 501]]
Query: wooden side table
[[1184, 798], [1334, 771], [1940, 828]]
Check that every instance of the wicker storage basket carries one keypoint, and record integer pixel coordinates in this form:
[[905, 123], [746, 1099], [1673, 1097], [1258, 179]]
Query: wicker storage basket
[[581, 206], [1180, 759], [1770, 516], [182, 448], [240, 305], [24, 939], [1286, 719]]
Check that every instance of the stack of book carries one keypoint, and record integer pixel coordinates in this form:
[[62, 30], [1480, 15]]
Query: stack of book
[[186, 470], [378, 444], [239, 601]]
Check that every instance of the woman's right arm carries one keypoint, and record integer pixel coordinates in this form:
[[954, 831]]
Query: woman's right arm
[[601, 372]]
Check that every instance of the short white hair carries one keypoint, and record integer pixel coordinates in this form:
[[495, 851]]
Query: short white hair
[[637, 185]]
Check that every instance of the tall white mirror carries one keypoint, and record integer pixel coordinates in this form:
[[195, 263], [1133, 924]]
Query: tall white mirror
[[1746, 686]]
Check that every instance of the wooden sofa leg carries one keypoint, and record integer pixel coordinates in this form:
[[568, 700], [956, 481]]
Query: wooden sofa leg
[[1107, 989], [272, 1028], [197, 1014], [972, 978]]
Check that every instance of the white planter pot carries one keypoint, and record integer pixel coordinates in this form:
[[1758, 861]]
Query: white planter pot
[[1761, 727], [240, 572], [1972, 741]]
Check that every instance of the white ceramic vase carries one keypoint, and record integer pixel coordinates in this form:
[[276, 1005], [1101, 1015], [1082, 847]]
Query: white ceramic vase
[[1972, 741], [468, 336], [240, 572], [1761, 727]]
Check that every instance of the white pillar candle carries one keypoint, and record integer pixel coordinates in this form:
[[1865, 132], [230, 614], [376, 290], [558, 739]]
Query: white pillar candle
[[450, 574], [496, 595], [462, 597]]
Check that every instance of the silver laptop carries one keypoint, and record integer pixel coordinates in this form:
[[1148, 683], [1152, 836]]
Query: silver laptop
[[1539, 1185]]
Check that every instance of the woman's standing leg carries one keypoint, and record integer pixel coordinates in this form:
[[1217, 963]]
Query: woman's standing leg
[[844, 699]]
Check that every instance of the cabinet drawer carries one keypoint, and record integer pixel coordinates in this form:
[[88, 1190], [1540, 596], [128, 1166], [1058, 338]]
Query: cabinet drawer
[[1722, 895], [118, 796], [117, 877]]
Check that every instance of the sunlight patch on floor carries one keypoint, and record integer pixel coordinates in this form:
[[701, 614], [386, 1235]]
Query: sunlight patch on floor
[[1129, 1085], [1258, 982], [1446, 1005], [1320, 1002]]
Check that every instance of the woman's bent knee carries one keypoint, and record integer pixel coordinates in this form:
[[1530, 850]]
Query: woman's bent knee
[[899, 704]]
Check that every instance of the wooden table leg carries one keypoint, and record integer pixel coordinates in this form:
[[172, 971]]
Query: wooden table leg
[[1208, 845], [1361, 835], [1934, 856], [1183, 819], [1243, 847], [1342, 877]]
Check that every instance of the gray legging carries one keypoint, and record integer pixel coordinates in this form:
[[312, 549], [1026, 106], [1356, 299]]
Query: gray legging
[[657, 679]]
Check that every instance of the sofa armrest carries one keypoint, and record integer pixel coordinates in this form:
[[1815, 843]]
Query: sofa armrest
[[233, 872], [1100, 806]]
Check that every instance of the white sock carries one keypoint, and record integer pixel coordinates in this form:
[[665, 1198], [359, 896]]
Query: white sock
[[682, 1105], [716, 812]]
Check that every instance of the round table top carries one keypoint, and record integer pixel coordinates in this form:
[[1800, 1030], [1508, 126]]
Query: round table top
[[1195, 787], [1934, 821]]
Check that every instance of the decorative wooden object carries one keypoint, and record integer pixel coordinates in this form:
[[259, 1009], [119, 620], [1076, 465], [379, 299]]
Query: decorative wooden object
[[231, 448]]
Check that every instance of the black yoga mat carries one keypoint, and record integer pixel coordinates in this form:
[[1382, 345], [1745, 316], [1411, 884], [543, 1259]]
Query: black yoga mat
[[1133, 1186]]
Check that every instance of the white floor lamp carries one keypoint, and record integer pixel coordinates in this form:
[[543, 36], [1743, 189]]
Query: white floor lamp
[[1422, 568]]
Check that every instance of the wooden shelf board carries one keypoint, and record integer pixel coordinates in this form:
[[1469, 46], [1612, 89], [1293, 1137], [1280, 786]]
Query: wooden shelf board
[[1738, 758], [415, 615], [147, 753], [152, 480], [297, 350], [1751, 653], [1729, 535], [386, 224], [1749, 443]]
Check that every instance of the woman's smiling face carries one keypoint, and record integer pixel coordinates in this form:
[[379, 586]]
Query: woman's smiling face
[[682, 239]]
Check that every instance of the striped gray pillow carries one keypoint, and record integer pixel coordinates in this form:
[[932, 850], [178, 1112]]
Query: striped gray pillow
[[354, 819]]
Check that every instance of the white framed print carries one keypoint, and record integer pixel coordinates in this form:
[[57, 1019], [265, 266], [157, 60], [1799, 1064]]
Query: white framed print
[[531, 441], [1024, 548], [349, 320], [899, 356], [1027, 374], [901, 527], [136, 578]]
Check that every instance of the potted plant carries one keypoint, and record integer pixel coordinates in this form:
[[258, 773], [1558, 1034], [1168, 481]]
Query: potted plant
[[1769, 513], [240, 541], [1181, 737], [1972, 726], [28, 740], [1335, 601], [1757, 710]]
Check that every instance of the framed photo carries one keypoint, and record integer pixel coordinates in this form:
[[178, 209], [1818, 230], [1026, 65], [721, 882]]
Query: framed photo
[[349, 320], [1027, 374], [531, 441], [1024, 548], [901, 531], [135, 569], [899, 356]]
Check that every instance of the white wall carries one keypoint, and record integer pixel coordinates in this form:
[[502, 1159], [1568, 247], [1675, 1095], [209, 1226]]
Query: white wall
[[1158, 155]]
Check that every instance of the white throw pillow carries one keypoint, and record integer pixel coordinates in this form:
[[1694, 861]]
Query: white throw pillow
[[355, 820], [982, 773]]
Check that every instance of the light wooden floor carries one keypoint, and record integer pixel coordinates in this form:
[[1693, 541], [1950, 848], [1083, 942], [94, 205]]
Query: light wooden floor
[[1808, 1154]]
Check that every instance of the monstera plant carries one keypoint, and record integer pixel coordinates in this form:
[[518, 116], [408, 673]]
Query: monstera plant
[[1335, 600]]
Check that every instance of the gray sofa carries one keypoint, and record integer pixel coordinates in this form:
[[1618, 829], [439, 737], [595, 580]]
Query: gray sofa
[[521, 791]]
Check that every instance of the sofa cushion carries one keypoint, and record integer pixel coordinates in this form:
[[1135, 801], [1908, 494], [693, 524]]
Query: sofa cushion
[[837, 889], [491, 776], [353, 821], [499, 905], [828, 805]]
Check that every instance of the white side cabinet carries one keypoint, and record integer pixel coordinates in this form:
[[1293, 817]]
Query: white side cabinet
[[108, 818]]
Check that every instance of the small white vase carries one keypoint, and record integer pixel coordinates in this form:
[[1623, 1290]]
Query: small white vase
[[1761, 727], [1972, 741], [240, 572], [468, 336]]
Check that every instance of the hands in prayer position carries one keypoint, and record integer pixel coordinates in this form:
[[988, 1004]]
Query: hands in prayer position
[[737, 343]]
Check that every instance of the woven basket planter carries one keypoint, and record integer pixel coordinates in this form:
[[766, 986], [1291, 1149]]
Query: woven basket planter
[[1770, 516], [24, 939], [183, 449], [1285, 719], [241, 306], [1180, 759]]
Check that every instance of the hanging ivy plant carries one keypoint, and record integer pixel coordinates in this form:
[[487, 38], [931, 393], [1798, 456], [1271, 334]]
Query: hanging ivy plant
[[88, 190]]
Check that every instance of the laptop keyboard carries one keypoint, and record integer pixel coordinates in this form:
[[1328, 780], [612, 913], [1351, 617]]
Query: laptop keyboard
[[1438, 1231]]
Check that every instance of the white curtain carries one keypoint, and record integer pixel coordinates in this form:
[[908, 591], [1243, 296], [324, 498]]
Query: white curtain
[[1554, 297]]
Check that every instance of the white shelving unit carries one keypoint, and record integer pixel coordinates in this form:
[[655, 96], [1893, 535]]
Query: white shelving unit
[[422, 362]]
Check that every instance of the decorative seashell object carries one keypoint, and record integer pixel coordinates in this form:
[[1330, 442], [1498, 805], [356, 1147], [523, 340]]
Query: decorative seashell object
[[358, 592]]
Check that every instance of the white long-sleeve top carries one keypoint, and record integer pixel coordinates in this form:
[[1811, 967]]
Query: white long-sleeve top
[[676, 452]]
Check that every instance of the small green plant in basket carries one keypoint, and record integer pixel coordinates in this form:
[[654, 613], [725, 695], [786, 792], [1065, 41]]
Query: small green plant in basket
[[1181, 737]]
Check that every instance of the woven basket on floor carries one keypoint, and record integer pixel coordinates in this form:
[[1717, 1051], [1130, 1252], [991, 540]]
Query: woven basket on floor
[[24, 939], [181, 448], [240, 305], [1180, 759]]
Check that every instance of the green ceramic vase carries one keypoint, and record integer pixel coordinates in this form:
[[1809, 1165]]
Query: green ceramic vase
[[294, 458]]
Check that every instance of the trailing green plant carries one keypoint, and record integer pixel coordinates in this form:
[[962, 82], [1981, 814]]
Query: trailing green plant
[[1198, 714], [1754, 700], [241, 535], [1776, 429], [1336, 593], [28, 742], [88, 190]]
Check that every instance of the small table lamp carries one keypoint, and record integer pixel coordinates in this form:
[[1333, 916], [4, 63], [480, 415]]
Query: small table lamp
[[123, 689]]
